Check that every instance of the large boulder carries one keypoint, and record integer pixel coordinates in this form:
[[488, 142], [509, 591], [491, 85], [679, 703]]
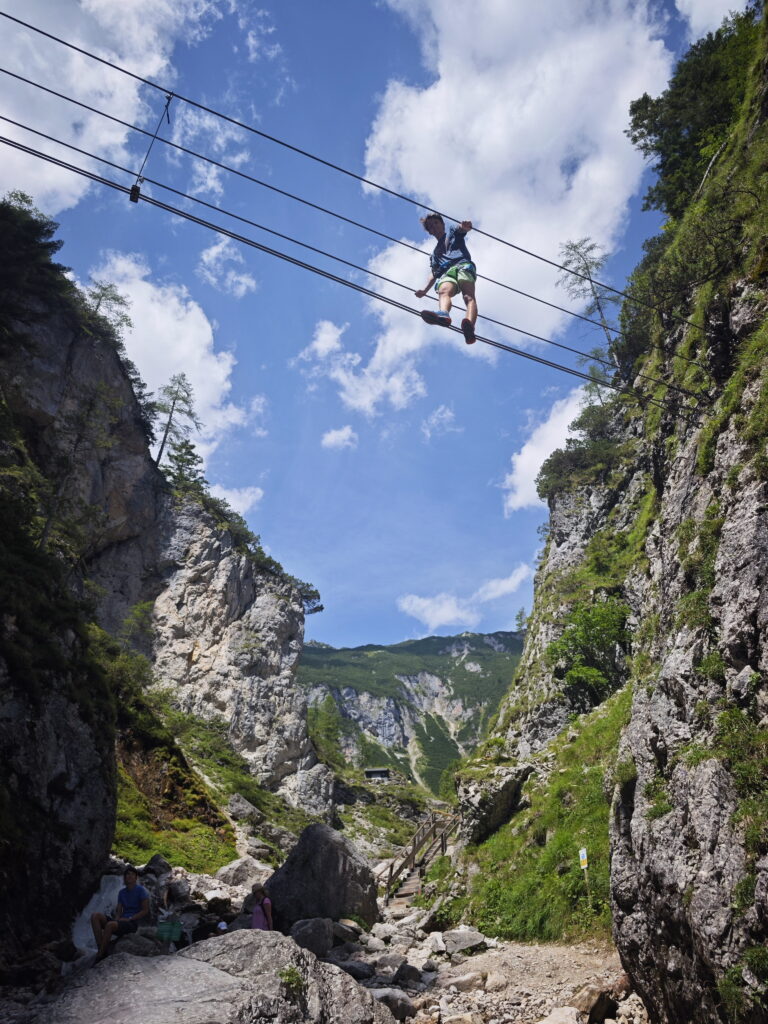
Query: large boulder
[[398, 1002], [251, 976], [323, 876], [314, 934], [463, 940]]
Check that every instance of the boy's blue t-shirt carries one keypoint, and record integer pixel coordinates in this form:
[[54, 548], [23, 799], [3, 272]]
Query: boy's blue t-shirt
[[450, 250], [131, 899]]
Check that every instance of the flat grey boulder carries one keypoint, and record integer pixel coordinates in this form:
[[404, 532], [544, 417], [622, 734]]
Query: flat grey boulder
[[460, 939], [324, 875], [357, 969], [244, 871], [407, 974], [343, 933], [396, 1000], [245, 977]]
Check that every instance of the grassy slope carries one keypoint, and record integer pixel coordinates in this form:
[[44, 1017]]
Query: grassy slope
[[529, 886], [164, 806]]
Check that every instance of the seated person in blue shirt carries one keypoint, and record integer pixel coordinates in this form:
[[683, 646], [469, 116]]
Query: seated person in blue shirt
[[132, 907], [452, 270]]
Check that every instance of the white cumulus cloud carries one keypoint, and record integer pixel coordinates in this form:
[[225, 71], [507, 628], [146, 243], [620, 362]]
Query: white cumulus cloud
[[520, 483], [172, 334], [363, 389], [326, 341], [439, 422], [344, 437], [139, 35], [242, 499], [214, 268], [448, 609], [521, 130], [705, 15]]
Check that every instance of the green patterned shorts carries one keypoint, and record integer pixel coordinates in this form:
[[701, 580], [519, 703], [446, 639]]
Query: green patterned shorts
[[460, 273]]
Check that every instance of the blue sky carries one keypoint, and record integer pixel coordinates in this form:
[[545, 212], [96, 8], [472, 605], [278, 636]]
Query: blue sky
[[388, 463]]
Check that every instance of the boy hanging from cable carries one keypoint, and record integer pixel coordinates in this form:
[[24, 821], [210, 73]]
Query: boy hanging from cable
[[452, 271]]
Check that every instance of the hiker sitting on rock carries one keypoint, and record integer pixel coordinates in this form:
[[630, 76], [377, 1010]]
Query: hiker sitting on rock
[[132, 907], [262, 909]]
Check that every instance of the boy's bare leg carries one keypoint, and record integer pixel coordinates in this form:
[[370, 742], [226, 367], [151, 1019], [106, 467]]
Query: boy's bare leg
[[447, 291], [468, 291]]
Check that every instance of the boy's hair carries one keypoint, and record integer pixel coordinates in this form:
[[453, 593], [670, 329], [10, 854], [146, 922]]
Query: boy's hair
[[130, 871], [431, 217]]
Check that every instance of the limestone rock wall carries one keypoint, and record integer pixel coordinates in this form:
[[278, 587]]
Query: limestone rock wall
[[227, 640], [689, 875], [228, 637], [73, 410], [688, 897]]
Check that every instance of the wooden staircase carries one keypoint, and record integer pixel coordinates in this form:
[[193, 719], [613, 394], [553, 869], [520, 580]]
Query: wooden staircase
[[406, 871]]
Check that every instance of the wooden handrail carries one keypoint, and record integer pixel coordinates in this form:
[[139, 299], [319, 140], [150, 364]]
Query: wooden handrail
[[424, 840]]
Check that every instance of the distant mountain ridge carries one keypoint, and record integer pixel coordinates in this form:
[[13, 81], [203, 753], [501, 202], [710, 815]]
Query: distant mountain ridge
[[417, 705]]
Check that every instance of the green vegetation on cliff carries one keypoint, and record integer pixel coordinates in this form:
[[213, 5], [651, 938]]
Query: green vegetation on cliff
[[646, 492], [528, 885], [375, 669], [47, 637]]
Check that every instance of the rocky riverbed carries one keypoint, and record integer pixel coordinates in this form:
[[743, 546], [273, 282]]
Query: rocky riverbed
[[323, 971]]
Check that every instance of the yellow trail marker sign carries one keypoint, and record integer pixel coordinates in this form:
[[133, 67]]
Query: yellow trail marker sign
[[583, 858]]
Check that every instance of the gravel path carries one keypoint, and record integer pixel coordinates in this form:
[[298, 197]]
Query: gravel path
[[521, 984]]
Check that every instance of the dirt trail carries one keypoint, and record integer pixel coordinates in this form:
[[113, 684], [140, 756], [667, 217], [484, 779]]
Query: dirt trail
[[523, 983]]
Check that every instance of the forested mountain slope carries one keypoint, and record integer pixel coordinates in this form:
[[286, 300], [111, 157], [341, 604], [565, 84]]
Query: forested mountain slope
[[418, 705]]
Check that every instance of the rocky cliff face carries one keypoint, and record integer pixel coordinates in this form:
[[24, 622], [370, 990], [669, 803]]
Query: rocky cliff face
[[227, 639], [668, 524], [688, 881], [88, 462], [87, 514]]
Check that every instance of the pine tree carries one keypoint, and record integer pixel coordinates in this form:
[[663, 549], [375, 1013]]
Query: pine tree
[[184, 468], [585, 259], [177, 405]]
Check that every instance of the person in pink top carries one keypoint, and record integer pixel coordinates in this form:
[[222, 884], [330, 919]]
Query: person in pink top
[[262, 910]]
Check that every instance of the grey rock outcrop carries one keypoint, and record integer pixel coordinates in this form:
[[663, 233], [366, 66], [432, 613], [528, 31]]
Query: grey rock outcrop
[[489, 800], [247, 977], [227, 640], [314, 934], [323, 876], [228, 635], [74, 412], [679, 861], [686, 888], [58, 776], [244, 871]]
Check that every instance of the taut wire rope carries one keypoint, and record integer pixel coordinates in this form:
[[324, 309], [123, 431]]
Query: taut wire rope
[[336, 167], [320, 252], [186, 215]]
